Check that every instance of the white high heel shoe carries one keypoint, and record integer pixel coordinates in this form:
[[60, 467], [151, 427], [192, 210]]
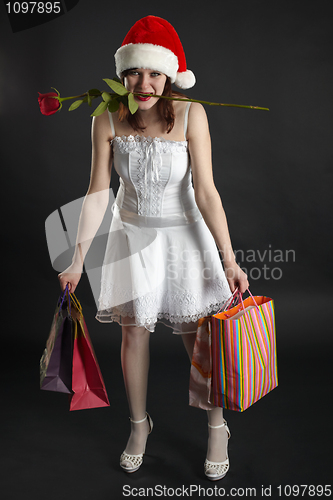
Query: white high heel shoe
[[131, 463], [217, 470]]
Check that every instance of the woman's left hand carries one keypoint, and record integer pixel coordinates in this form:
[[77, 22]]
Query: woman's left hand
[[236, 277]]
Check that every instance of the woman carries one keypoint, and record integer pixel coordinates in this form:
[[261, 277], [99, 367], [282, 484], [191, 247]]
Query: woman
[[161, 262]]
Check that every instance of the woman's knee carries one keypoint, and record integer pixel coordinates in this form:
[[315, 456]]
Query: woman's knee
[[134, 334]]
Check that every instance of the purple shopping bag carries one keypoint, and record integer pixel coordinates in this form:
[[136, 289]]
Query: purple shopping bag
[[56, 361]]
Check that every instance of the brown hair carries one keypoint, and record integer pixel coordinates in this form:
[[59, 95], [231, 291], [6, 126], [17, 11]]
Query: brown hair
[[164, 106]]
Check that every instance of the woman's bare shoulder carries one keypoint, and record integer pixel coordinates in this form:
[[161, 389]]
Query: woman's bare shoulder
[[197, 119], [101, 125], [197, 109]]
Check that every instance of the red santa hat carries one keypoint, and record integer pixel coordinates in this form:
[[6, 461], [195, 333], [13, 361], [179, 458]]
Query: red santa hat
[[152, 43]]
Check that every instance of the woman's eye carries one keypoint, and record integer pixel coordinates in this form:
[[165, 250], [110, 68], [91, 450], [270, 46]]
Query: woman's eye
[[155, 74]]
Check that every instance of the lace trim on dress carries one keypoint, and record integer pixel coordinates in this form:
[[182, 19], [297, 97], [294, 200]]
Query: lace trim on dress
[[187, 307], [128, 143]]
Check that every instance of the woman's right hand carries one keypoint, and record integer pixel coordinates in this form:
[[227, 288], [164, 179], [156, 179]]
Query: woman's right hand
[[70, 276]]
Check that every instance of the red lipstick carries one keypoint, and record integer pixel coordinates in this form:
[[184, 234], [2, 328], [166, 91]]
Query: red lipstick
[[145, 97]]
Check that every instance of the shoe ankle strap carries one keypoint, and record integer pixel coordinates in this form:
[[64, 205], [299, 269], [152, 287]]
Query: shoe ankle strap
[[218, 426], [138, 421]]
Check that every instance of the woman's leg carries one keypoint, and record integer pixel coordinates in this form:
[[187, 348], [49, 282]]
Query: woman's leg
[[217, 438], [135, 366]]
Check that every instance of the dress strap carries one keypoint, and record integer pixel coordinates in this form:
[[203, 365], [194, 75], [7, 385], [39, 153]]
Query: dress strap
[[112, 125], [186, 118]]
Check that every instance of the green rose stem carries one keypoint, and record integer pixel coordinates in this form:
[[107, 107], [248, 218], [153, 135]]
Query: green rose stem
[[61, 99], [205, 102], [112, 95]]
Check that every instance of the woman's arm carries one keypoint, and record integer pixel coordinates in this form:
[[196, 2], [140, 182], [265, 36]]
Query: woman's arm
[[207, 196], [95, 202]]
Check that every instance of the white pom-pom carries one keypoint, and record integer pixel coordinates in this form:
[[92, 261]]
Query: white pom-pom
[[185, 80]]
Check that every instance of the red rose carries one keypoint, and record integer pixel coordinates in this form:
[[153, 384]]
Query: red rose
[[47, 104]]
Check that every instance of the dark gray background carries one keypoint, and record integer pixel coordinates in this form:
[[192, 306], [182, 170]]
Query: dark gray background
[[273, 171]]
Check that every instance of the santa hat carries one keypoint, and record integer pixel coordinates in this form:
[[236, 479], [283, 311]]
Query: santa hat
[[152, 43]]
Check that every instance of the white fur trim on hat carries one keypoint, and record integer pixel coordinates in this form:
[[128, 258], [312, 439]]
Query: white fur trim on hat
[[147, 56], [185, 80]]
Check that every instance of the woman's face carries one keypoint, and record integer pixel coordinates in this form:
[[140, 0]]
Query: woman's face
[[146, 81]]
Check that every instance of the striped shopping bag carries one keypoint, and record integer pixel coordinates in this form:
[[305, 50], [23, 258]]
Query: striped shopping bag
[[243, 349]]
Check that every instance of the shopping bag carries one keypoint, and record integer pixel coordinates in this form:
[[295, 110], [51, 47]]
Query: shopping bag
[[87, 382], [201, 364], [243, 346], [234, 361], [56, 361], [201, 367]]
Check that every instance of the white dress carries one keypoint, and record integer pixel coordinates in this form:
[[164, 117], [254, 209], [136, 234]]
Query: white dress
[[161, 262]]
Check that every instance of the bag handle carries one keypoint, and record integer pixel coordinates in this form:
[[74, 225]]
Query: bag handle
[[241, 299], [236, 294], [254, 300], [69, 300], [76, 302], [230, 300]]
